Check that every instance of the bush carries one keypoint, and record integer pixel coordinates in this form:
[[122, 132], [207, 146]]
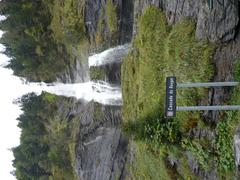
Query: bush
[[155, 130]]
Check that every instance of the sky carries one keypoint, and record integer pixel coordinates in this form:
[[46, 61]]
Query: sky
[[9, 132]]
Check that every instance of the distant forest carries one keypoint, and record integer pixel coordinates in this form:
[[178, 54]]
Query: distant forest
[[47, 143], [39, 35]]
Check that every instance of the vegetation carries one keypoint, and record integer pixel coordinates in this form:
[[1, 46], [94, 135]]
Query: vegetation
[[147, 165], [107, 26], [67, 21], [96, 73], [112, 16], [226, 129], [38, 36], [201, 153], [47, 148], [154, 130], [161, 51]]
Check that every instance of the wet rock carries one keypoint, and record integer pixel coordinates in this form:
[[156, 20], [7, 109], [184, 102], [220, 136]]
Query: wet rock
[[102, 154], [77, 71], [102, 148]]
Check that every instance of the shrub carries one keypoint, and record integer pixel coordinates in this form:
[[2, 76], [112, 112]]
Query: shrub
[[155, 130]]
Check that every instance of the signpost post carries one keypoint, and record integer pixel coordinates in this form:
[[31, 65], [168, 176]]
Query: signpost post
[[170, 102]]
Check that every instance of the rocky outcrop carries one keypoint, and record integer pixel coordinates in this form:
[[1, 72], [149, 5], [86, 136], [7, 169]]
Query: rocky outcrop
[[77, 71], [112, 73], [224, 60], [101, 150], [196, 169], [97, 23], [217, 22]]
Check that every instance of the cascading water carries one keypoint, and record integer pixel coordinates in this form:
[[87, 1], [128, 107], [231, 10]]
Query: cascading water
[[100, 91], [109, 56], [14, 87]]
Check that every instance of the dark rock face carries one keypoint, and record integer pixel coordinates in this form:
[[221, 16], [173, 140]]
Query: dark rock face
[[224, 60], [95, 13], [112, 72], [194, 166], [78, 71], [101, 151], [217, 24]]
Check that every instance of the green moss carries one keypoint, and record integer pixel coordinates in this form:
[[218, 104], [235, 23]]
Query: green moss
[[111, 12], [50, 98], [162, 51], [97, 73], [147, 165]]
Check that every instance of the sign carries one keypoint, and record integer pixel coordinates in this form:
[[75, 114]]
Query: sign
[[170, 102]]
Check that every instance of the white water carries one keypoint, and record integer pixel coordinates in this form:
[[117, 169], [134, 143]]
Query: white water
[[111, 55], [13, 87], [100, 91]]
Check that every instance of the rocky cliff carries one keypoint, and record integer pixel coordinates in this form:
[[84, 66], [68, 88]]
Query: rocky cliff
[[102, 149]]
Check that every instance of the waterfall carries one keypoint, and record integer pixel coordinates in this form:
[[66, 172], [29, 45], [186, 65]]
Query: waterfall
[[99, 91], [14, 87], [115, 54]]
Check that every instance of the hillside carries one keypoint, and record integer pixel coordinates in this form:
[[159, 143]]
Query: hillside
[[66, 138]]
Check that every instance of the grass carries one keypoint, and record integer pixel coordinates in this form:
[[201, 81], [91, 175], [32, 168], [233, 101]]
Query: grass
[[147, 165], [161, 51]]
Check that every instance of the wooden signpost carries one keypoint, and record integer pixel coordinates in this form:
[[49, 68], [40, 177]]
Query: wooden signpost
[[171, 93]]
